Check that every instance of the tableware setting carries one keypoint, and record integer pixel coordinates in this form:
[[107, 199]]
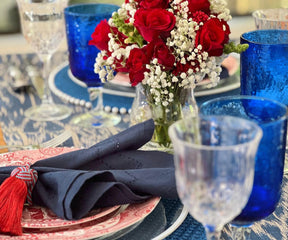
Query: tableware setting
[[42, 25], [64, 185], [214, 167], [217, 167], [271, 116], [81, 21]]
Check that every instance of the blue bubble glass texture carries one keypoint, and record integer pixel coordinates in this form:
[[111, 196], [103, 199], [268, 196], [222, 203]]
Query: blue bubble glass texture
[[271, 116], [264, 65], [81, 21]]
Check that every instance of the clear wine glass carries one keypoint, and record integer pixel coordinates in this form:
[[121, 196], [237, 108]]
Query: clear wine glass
[[271, 116], [214, 162], [81, 21], [43, 27]]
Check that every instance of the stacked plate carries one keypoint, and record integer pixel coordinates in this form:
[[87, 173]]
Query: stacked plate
[[42, 223]]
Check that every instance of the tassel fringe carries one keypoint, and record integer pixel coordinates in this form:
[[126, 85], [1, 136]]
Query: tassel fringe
[[13, 192]]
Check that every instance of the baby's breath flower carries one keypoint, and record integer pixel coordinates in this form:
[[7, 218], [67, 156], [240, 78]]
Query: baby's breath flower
[[163, 82]]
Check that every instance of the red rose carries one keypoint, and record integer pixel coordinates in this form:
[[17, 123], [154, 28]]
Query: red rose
[[119, 66], [136, 64], [180, 68], [162, 53], [154, 4], [199, 5], [150, 23], [212, 36], [199, 17], [100, 35]]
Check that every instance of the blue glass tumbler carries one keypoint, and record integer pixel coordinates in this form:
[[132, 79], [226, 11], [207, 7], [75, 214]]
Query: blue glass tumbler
[[271, 116], [264, 65], [81, 21]]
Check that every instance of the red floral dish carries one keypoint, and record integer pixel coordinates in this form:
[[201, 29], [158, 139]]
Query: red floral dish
[[40, 223]]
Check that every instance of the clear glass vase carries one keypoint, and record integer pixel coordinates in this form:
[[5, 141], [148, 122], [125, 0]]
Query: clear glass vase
[[144, 108], [140, 110]]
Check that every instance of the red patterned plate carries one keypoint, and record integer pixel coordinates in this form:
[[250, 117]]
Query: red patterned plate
[[133, 214], [25, 156], [39, 217], [84, 230]]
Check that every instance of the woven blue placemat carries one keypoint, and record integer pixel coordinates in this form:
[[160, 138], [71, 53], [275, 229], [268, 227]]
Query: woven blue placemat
[[120, 99], [64, 87]]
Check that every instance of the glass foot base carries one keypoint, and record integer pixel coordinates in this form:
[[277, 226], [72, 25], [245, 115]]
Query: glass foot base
[[286, 162], [240, 233], [48, 112], [96, 119]]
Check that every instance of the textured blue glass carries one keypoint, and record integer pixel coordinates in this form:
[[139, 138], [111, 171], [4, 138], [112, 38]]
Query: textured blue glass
[[271, 116], [81, 21], [264, 65]]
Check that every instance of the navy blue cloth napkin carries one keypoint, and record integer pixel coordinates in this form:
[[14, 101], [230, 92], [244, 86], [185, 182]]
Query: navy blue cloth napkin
[[109, 173]]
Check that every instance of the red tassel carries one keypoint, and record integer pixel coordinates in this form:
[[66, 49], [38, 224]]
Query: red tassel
[[13, 192]]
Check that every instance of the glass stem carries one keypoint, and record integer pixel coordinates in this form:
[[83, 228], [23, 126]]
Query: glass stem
[[193, 105], [190, 116], [47, 96], [212, 234], [96, 92]]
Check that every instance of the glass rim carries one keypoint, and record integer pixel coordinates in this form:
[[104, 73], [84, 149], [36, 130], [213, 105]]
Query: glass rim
[[67, 10], [242, 36], [257, 137], [256, 16], [258, 98]]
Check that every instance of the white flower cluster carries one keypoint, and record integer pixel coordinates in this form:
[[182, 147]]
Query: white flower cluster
[[162, 83], [219, 7]]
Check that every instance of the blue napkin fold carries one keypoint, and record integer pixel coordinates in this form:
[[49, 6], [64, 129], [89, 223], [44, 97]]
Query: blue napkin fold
[[109, 173]]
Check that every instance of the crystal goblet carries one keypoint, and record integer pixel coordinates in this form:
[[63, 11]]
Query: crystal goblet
[[81, 20], [43, 27], [214, 162], [271, 116], [272, 18]]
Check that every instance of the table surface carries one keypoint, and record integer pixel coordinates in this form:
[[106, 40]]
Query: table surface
[[19, 130]]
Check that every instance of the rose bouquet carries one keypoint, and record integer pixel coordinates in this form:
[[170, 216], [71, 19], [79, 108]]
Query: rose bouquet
[[167, 46]]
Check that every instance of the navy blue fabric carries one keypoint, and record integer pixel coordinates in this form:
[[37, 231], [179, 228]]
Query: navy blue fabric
[[109, 173]]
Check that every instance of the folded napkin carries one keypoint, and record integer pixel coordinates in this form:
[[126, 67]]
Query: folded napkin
[[109, 173]]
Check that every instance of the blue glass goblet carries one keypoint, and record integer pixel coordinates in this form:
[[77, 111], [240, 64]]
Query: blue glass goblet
[[264, 66], [271, 116], [81, 21]]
